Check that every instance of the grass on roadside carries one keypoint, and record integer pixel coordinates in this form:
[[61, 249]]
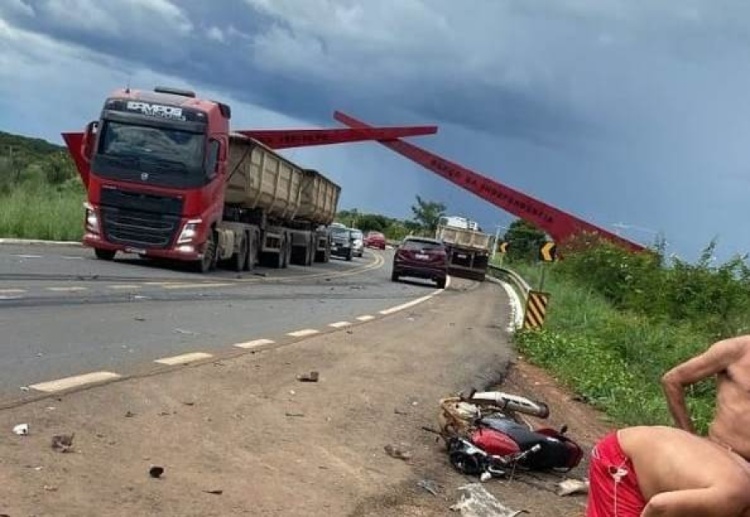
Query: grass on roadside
[[614, 359], [42, 211]]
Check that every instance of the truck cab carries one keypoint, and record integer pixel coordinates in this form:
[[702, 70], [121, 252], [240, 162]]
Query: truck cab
[[156, 168]]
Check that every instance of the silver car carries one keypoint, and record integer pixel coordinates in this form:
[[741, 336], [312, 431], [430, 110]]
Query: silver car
[[358, 244]]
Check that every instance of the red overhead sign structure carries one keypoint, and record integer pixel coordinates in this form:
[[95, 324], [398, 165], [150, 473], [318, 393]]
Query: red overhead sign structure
[[558, 224]]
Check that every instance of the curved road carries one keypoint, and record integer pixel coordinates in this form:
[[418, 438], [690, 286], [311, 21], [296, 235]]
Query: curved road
[[65, 314]]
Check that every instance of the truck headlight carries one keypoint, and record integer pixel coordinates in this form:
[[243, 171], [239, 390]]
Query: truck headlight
[[92, 220], [189, 231]]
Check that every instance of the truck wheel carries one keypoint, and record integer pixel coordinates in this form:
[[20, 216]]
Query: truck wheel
[[441, 283], [103, 254], [239, 259], [394, 276], [207, 263], [349, 255]]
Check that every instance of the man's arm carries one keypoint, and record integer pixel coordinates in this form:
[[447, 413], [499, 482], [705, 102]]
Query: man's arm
[[701, 502], [714, 360]]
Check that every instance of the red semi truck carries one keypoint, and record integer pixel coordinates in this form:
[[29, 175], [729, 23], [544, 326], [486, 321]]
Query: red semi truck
[[166, 178]]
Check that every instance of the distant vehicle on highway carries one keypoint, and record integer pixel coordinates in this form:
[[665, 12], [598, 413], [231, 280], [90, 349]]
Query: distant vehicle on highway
[[342, 241], [375, 240], [358, 246], [421, 257]]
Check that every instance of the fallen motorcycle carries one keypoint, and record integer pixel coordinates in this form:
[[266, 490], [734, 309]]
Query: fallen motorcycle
[[485, 435]]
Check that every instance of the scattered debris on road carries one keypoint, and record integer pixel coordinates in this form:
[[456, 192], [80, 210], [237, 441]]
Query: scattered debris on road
[[429, 485], [394, 451], [476, 501], [63, 442], [214, 492], [572, 486], [292, 414], [21, 429], [156, 471], [308, 377], [129, 414]]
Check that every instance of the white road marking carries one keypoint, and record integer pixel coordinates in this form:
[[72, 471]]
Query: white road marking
[[194, 286], [71, 258], [184, 358], [303, 333], [73, 382], [255, 343], [406, 305], [366, 317], [12, 291], [67, 289], [339, 324], [124, 286], [28, 256]]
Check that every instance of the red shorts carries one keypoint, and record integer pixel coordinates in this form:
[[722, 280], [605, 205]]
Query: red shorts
[[613, 490]]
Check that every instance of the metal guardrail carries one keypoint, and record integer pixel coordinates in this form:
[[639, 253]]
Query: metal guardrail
[[514, 278]]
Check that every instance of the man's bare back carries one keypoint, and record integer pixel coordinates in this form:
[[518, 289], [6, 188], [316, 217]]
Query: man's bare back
[[676, 474], [729, 361]]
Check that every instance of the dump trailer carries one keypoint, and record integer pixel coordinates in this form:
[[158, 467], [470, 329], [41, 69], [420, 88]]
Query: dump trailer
[[468, 248], [166, 178]]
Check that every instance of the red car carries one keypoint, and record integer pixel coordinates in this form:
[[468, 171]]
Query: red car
[[375, 240], [421, 257]]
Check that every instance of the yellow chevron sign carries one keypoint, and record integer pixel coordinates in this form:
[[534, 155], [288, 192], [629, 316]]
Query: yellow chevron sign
[[536, 310], [547, 252], [502, 247]]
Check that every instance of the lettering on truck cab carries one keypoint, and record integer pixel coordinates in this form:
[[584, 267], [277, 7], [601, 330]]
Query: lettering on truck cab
[[156, 110]]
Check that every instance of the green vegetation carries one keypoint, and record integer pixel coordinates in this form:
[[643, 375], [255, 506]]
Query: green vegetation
[[424, 222], [618, 321], [40, 192]]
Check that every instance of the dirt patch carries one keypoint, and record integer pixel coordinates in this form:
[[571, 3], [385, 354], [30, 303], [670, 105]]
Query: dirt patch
[[245, 437]]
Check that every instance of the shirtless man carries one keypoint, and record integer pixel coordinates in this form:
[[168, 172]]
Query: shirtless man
[[664, 471], [729, 361]]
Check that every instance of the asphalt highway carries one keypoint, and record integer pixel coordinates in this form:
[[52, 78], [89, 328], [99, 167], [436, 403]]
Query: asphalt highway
[[65, 314]]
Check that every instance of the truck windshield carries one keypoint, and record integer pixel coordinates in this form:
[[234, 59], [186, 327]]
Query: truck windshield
[[167, 156]]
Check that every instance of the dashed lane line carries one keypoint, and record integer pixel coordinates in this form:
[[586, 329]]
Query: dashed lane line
[[339, 324], [69, 289], [255, 343], [406, 305], [366, 317], [195, 286], [124, 286], [74, 382], [184, 358], [12, 291], [303, 333]]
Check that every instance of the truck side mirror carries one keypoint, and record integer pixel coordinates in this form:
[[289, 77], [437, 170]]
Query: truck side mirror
[[89, 138]]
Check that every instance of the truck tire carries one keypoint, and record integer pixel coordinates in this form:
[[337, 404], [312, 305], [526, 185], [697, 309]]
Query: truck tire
[[208, 262], [103, 254], [349, 255], [441, 283], [394, 276]]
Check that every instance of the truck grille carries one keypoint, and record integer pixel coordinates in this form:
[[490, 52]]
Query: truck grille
[[136, 219]]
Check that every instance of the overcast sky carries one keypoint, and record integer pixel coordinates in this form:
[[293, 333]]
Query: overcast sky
[[632, 114]]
